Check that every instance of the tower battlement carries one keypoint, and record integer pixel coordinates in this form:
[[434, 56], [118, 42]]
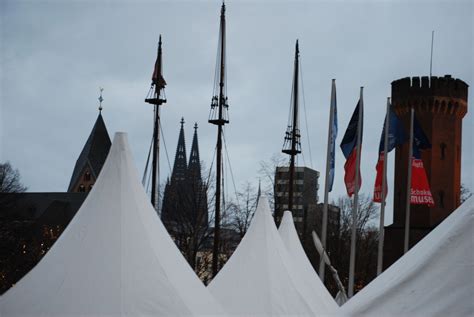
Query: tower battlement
[[444, 94]]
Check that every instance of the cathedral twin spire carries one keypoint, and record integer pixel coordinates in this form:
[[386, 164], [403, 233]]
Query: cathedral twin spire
[[181, 168]]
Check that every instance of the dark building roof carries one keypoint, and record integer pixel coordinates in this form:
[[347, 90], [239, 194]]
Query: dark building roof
[[93, 154], [47, 207]]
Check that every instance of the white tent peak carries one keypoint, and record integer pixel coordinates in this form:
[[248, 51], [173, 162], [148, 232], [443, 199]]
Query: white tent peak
[[115, 258], [260, 279], [293, 245], [434, 278]]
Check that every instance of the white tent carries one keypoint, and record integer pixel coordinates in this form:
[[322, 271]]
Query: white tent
[[290, 239], [114, 259], [260, 279], [435, 278]]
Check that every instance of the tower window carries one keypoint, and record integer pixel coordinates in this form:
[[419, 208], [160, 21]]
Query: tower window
[[87, 176], [441, 198], [442, 146], [82, 188], [90, 187]]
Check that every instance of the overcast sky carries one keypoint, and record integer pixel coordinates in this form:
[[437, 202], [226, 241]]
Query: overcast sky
[[56, 54]]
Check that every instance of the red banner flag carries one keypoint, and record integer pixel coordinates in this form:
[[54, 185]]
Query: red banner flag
[[349, 148], [420, 189], [378, 180], [350, 169], [395, 136]]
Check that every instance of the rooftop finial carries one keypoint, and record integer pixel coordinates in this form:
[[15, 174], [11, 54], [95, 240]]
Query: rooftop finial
[[195, 126], [100, 99], [182, 122]]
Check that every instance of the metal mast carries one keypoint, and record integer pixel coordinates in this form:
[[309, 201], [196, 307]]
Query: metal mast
[[292, 145], [218, 116], [156, 98]]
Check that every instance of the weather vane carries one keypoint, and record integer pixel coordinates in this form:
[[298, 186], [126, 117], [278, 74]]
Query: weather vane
[[100, 98]]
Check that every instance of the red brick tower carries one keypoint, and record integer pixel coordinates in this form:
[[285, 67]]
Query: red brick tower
[[439, 108]]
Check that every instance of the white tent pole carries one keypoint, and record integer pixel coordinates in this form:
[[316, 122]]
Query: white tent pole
[[355, 207], [326, 180], [384, 187], [325, 258], [408, 202]]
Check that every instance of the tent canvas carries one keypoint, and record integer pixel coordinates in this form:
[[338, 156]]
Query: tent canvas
[[114, 259], [260, 279], [435, 278], [293, 245]]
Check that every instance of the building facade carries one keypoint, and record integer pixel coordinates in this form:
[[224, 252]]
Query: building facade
[[440, 104], [305, 196], [305, 199]]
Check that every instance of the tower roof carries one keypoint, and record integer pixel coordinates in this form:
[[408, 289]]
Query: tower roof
[[180, 163], [194, 165], [94, 153]]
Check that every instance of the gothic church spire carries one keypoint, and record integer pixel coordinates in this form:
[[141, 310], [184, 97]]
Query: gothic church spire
[[194, 166], [180, 163]]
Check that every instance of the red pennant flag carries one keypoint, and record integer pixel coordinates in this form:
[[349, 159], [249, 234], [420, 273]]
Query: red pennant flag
[[420, 189]]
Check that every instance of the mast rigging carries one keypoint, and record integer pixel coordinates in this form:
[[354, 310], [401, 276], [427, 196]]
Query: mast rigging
[[156, 97], [218, 116], [292, 143]]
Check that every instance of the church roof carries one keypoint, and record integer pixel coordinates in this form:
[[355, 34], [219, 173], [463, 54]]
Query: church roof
[[94, 152]]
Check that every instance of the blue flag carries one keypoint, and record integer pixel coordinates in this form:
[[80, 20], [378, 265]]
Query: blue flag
[[396, 133], [396, 136], [420, 140], [332, 136]]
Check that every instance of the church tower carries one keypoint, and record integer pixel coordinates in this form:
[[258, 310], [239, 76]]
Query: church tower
[[184, 212], [440, 104], [173, 203], [197, 189], [92, 156]]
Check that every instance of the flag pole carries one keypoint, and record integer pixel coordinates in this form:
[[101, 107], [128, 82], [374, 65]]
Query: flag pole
[[408, 201], [431, 57], [322, 265], [384, 187], [355, 207]]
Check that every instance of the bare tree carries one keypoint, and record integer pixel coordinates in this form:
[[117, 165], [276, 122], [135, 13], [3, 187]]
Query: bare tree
[[10, 179], [267, 175], [241, 211], [465, 193], [366, 247]]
